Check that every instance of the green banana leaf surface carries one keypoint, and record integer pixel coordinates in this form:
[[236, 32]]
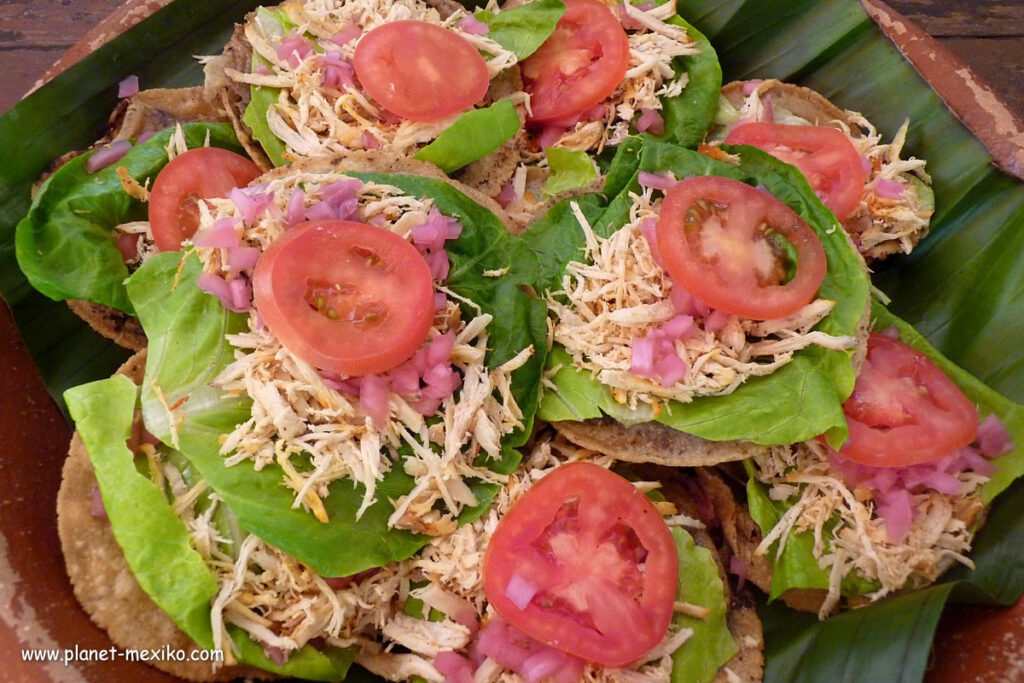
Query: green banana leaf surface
[[961, 288]]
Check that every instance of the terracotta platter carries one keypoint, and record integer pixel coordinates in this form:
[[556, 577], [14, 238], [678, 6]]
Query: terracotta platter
[[38, 610]]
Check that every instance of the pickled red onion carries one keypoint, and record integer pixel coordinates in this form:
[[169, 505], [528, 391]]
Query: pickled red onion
[[650, 121], [658, 181], [889, 189], [473, 26], [106, 155], [128, 86], [293, 49], [520, 591], [454, 667]]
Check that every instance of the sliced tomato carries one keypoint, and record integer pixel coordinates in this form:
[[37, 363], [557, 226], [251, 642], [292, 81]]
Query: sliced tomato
[[725, 242], [825, 155], [201, 173], [350, 298], [420, 71], [580, 64], [904, 410], [598, 562]]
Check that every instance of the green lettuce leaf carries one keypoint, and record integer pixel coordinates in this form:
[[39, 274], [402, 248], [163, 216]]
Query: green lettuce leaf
[[65, 245], [711, 645], [474, 135], [155, 541], [261, 98], [799, 401], [275, 21], [187, 350], [796, 567], [689, 114], [521, 30], [307, 663], [570, 169]]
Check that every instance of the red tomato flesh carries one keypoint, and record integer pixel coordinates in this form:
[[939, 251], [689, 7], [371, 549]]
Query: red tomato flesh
[[346, 297], [825, 155], [601, 558], [720, 240], [904, 410], [201, 173], [420, 71], [579, 65]]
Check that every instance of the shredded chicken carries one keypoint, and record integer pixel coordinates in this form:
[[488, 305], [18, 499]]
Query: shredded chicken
[[850, 538], [283, 604], [316, 117], [620, 293], [315, 430]]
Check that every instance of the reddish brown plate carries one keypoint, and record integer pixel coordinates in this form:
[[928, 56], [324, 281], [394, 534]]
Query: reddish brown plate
[[39, 611]]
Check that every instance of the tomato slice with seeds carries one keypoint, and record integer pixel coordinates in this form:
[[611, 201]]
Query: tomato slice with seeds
[[729, 245], [420, 71], [187, 179], [346, 297], [904, 410], [600, 560], [832, 165], [580, 64]]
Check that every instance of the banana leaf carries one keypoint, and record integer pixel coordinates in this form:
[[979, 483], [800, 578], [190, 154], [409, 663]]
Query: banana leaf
[[961, 288], [69, 114]]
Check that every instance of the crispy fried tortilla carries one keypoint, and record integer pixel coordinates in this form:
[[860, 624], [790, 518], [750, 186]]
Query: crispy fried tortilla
[[233, 96], [803, 102], [101, 578], [653, 442], [160, 108], [121, 328]]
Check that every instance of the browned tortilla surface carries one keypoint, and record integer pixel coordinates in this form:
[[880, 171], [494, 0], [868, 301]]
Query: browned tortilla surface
[[653, 442], [102, 581]]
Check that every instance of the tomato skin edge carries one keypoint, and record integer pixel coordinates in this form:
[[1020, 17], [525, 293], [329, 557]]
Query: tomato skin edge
[[545, 108], [935, 431], [306, 333], [197, 174], [557, 630], [847, 175], [701, 279]]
